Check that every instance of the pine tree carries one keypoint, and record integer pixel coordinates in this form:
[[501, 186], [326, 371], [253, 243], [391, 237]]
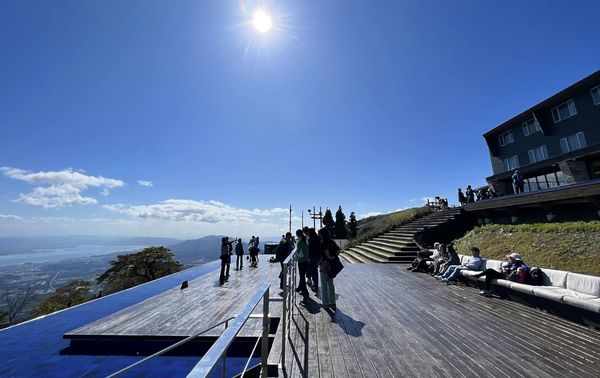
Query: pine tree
[[340, 224], [352, 226], [328, 222]]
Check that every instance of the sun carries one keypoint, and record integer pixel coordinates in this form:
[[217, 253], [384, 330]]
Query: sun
[[262, 21]]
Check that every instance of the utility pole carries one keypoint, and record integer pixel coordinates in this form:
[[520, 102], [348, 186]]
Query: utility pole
[[302, 219], [315, 216], [290, 218]]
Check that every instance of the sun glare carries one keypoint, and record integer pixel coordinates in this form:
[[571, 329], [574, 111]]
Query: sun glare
[[262, 21]]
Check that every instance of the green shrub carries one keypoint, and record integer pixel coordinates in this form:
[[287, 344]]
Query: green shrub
[[571, 246]]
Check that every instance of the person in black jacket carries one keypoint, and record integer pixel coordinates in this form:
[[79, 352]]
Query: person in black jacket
[[283, 251], [239, 252], [328, 250], [314, 243]]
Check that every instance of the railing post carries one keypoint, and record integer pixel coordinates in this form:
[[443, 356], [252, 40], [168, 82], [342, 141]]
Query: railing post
[[265, 335], [224, 367], [284, 318]]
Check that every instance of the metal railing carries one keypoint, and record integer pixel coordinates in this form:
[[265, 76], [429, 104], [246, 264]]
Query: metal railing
[[218, 351], [171, 347]]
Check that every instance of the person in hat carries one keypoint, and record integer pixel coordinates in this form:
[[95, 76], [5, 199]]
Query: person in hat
[[514, 270], [470, 194]]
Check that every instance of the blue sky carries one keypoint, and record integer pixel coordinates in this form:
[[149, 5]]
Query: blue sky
[[368, 105]]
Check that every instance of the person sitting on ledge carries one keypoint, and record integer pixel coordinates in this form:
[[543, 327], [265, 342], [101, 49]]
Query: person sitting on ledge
[[451, 259], [515, 271], [422, 264], [474, 263]]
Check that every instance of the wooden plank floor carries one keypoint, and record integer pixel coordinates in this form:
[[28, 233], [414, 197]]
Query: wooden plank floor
[[179, 314], [391, 322]]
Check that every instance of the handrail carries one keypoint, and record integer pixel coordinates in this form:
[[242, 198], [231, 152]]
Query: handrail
[[169, 348], [289, 301], [219, 349]]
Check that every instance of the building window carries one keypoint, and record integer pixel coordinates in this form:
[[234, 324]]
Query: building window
[[573, 142], [511, 163], [506, 138], [564, 111], [547, 181], [531, 126], [538, 154], [596, 95]]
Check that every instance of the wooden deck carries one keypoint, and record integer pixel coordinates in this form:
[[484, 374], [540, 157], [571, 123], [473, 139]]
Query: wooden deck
[[391, 323], [178, 314]]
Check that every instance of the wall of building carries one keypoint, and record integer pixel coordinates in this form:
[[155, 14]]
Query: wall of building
[[587, 120]]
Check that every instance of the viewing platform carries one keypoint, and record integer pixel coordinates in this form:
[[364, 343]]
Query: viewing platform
[[389, 323]]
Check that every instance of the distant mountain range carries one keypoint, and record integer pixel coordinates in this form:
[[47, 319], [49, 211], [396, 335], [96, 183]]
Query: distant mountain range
[[208, 248], [188, 252], [12, 245]]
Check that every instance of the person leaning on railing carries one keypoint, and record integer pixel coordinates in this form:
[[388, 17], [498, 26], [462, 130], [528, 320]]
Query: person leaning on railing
[[302, 258]]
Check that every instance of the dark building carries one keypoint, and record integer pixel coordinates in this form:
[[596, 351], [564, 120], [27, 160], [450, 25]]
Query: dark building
[[554, 143]]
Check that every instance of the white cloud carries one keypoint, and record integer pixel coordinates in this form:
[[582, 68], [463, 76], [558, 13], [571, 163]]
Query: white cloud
[[183, 210], [64, 187], [10, 217], [371, 214], [145, 183], [105, 192]]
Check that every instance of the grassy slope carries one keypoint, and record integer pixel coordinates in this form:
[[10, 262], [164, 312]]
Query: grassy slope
[[571, 246], [373, 226]]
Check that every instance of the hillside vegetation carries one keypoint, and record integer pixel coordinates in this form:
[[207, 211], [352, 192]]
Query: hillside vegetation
[[378, 224], [571, 246]]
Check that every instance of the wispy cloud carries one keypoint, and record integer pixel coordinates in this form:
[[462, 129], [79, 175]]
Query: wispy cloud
[[147, 184], [63, 187], [11, 217], [186, 210], [371, 214]]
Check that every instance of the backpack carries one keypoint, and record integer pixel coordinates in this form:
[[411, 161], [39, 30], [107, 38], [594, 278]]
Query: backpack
[[536, 277]]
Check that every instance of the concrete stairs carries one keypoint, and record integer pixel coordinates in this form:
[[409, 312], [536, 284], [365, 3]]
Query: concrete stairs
[[397, 245]]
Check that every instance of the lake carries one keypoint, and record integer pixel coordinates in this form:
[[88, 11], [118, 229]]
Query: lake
[[57, 254]]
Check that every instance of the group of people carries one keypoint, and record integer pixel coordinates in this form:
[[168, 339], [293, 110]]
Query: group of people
[[444, 264], [227, 251], [471, 195], [317, 256]]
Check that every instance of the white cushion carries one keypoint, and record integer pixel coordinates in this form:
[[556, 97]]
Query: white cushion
[[555, 277], [501, 282], [587, 304], [523, 288], [549, 292], [492, 264], [584, 284]]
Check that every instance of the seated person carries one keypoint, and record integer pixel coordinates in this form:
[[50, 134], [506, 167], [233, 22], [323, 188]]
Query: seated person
[[420, 264], [452, 259], [474, 263], [438, 264], [515, 270]]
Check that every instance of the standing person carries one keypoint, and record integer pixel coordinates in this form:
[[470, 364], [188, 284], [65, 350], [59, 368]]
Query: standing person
[[283, 251], [461, 197], [470, 194], [239, 252], [224, 276], [305, 231], [328, 250], [518, 182], [302, 258], [314, 255], [256, 250]]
